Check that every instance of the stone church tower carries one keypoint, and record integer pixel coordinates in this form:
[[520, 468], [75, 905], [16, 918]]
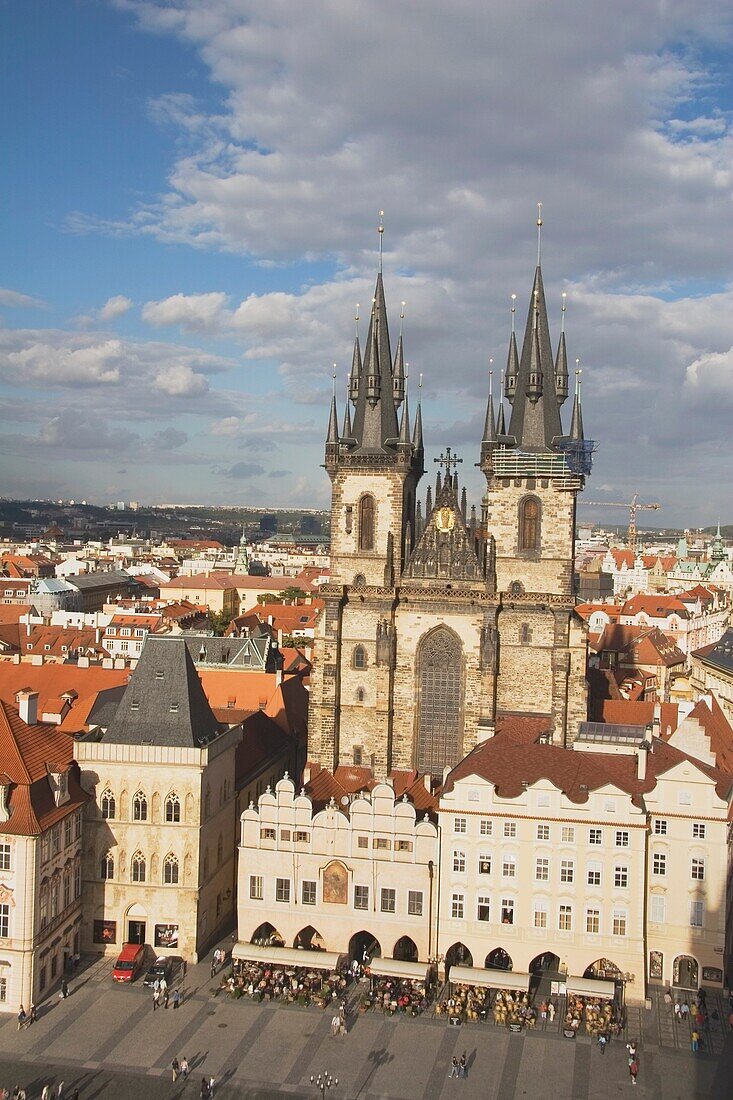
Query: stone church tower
[[436, 622]]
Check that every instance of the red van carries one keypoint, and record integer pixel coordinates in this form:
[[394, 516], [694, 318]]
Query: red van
[[129, 962]]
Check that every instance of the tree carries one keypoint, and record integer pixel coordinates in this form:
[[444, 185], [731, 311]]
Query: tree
[[219, 621]]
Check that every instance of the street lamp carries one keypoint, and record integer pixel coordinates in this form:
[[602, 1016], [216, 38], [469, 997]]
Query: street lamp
[[324, 1081]]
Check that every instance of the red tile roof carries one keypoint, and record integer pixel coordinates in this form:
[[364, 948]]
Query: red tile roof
[[52, 681], [656, 606], [640, 713], [718, 729]]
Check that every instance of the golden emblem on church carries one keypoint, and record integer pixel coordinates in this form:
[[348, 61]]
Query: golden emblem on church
[[445, 519]]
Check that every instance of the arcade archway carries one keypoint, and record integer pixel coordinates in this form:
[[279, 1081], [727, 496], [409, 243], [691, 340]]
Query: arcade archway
[[405, 950], [363, 946], [266, 935], [309, 939], [457, 955], [498, 959], [685, 972]]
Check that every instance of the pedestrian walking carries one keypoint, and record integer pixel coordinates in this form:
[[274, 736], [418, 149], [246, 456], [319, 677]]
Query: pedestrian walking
[[163, 985], [212, 1082], [64, 988], [335, 1023], [213, 967], [463, 1066], [60, 1091], [156, 985], [695, 1041], [602, 1042], [184, 1068], [74, 1095], [46, 1092], [631, 1048], [33, 1014], [165, 997], [156, 998], [684, 1010], [551, 1011], [454, 1068], [633, 1071], [21, 1017], [21, 1094], [176, 998], [175, 1069], [204, 1090], [668, 998]]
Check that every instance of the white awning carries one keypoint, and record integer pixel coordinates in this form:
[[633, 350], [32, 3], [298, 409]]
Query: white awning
[[393, 968], [489, 979], [591, 987], [287, 956]]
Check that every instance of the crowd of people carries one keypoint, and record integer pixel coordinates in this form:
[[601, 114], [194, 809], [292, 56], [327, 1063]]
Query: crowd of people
[[407, 996], [302, 985], [599, 1018], [475, 1004]]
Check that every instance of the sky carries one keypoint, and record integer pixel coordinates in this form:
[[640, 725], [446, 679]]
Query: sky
[[190, 200]]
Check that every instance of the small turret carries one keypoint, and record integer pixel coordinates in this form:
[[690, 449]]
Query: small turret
[[512, 363], [355, 376], [534, 378], [576, 423], [398, 373], [405, 442], [561, 361], [371, 367]]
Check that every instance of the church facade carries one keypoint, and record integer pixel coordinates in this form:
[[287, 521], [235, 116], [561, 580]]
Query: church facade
[[438, 619]]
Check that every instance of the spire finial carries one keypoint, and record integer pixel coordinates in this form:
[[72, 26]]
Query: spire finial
[[578, 372], [419, 389], [356, 320], [380, 231], [562, 311], [514, 310], [539, 233], [333, 379], [402, 315], [491, 379]]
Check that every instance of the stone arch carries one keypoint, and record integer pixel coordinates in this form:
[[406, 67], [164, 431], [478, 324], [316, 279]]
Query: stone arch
[[266, 935], [686, 972], [189, 808], [457, 955], [439, 699], [603, 969], [310, 939], [363, 944], [156, 805], [499, 959], [405, 950], [546, 962], [359, 657]]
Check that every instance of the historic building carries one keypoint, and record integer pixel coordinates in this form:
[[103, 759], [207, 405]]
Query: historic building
[[437, 620]]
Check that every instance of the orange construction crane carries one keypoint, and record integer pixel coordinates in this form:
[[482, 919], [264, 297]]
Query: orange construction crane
[[633, 505]]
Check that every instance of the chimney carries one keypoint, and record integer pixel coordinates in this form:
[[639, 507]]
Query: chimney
[[28, 706], [657, 720], [307, 774], [641, 758]]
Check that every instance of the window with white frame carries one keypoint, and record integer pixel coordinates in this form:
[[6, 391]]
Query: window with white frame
[[622, 838], [621, 876], [658, 909], [593, 877], [4, 857], [308, 892], [543, 832], [388, 899], [457, 905], [697, 913], [542, 869], [4, 920], [595, 836], [509, 866], [256, 887], [361, 897], [539, 914], [484, 864], [414, 903], [282, 890], [483, 907], [568, 834], [620, 917], [459, 860], [507, 911], [697, 868], [593, 921], [459, 825], [565, 918], [486, 826], [510, 828], [567, 870], [659, 863], [698, 830], [660, 826]]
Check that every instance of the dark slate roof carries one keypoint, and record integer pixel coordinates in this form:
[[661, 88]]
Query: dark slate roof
[[536, 423], [720, 655], [208, 651], [375, 422], [88, 581], [164, 702]]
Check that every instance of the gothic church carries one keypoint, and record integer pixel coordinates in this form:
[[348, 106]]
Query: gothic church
[[438, 620]]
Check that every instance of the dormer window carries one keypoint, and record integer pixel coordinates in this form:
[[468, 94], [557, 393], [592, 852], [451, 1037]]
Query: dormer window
[[60, 786]]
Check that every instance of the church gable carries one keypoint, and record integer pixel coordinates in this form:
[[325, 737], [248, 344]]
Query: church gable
[[446, 548]]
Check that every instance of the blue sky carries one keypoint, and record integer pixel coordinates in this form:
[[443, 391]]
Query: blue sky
[[190, 197]]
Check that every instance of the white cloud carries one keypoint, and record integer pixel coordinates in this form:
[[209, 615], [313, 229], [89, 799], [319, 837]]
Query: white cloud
[[13, 299], [193, 312], [179, 380], [43, 363], [713, 375], [114, 307]]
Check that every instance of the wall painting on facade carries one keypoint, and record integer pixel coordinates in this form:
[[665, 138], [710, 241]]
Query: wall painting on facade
[[336, 884]]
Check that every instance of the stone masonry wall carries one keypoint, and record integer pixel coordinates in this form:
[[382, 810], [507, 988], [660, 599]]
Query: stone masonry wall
[[552, 569]]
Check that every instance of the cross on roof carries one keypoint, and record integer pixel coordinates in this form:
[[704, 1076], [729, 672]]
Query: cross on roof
[[448, 460]]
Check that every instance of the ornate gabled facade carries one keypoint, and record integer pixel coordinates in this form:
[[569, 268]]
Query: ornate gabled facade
[[436, 620]]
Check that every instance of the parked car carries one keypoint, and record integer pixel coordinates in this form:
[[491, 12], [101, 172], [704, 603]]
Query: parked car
[[161, 968], [129, 962]]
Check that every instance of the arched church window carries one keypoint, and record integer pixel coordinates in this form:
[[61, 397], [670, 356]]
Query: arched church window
[[525, 634], [107, 804], [529, 524], [108, 866], [360, 695], [140, 807], [366, 522], [137, 867], [359, 581], [360, 657], [170, 870], [439, 732], [172, 807]]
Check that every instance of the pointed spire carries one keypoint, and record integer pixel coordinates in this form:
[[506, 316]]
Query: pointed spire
[[534, 382], [333, 426], [355, 376], [535, 420], [576, 423], [418, 521], [375, 421], [455, 483], [404, 439], [473, 523], [464, 504], [500, 425], [561, 360], [373, 380], [417, 437], [438, 485], [398, 372], [512, 363], [490, 421], [347, 432], [428, 502]]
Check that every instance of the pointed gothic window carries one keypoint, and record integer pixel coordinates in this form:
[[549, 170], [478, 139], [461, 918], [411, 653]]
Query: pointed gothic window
[[439, 734], [108, 866], [107, 804], [139, 807], [172, 807], [360, 657], [137, 867], [366, 522], [170, 870], [529, 524]]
